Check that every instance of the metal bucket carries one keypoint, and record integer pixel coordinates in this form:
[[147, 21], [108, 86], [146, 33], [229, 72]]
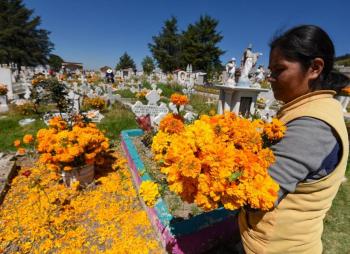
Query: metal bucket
[[84, 174]]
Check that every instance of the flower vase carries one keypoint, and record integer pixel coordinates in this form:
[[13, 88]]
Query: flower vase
[[84, 174]]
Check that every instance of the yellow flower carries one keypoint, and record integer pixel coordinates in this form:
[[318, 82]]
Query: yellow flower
[[75, 185], [275, 130], [149, 192]]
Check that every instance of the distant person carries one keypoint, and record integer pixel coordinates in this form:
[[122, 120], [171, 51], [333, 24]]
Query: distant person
[[110, 76]]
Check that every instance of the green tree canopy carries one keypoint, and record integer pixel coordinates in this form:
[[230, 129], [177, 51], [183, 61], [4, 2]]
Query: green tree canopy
[[125, 62], [21, 41], [148, 65], [166, 46], [55, 62], [199, 46]]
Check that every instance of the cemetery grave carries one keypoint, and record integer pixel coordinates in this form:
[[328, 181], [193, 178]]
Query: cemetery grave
[[112, 199]]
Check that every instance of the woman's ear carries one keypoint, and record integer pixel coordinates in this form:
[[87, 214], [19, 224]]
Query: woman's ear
[[316, 68]]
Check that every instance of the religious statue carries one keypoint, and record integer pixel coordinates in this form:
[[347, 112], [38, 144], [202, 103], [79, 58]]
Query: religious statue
[[260, 74], [231, 69], [249, 60]]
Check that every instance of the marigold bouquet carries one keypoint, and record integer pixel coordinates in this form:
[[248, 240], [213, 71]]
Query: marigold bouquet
[[38, 79], [3, 89], [219, 160], [62, 148], [94, 103]]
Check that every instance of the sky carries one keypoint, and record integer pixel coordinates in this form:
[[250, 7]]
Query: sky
[[97, 33]]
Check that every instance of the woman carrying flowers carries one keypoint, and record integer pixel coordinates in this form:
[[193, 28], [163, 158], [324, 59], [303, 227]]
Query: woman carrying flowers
[[311, 158]]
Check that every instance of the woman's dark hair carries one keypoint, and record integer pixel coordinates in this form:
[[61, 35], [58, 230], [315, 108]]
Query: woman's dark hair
[[303, 44]]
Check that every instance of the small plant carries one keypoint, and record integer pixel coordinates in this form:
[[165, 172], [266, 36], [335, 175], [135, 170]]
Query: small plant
[[27, 108], [94, 103]]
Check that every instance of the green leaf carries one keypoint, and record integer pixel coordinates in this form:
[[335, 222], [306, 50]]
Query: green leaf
[[235, 176]]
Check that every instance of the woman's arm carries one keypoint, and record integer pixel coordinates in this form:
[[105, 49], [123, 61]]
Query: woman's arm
[[309, 150]]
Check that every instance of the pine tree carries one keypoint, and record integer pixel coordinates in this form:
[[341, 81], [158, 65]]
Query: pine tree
[[148, 65], [166, 46], [55, 62], [21, 41], [125, 62], [199, 46]]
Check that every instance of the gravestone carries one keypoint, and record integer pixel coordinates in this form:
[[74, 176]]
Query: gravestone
[[84, 89], [156, 112], [6, 79], [98, 90], [75, 99], [3, 104], [27, 93]]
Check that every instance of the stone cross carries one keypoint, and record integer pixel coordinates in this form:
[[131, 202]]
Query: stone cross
[[98, 90], [156, 112], [75, 98]]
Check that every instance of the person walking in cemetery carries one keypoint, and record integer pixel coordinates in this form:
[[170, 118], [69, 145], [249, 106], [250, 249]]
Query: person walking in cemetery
[[311, 159]]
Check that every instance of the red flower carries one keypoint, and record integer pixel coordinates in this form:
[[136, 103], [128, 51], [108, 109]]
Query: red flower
[[27, 173], [144, 122]]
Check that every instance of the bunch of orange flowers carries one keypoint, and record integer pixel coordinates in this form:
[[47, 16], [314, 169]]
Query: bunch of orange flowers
[[3, 89], [94, 103], [38, 79], [219, 160], [63, 149], [28, 139], [179, 99]]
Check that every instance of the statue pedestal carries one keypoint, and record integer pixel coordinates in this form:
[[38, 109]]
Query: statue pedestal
[[238, 99]]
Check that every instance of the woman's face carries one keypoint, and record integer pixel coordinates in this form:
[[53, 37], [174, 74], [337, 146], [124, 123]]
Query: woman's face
[[288, 79]]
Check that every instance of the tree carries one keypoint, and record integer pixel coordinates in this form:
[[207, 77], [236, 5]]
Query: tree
[[199, 46], [148, 65], [166, 46], [55, 62], [21, 41], [125, 62]]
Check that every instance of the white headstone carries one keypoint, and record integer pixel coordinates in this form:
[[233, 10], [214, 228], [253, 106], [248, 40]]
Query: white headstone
[[3, 104], [156, 112], [6, 79]]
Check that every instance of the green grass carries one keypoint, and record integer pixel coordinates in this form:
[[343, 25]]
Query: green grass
[[169, 89], [117, 119], [126, 93], [198, 102], [10, 130], [336, 235]]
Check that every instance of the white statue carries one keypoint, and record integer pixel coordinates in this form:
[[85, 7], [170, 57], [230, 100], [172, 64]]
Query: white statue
[[260, 74], [248, 61], [231, 69]]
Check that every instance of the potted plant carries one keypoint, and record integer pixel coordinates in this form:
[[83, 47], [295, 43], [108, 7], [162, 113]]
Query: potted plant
[[73, 151]]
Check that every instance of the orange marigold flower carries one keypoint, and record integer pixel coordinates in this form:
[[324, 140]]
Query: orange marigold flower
[[275, 130], [17, 143], [171, 124], [28, 139], [21, 151], [67, 168], [179, 99], [346, 90]]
